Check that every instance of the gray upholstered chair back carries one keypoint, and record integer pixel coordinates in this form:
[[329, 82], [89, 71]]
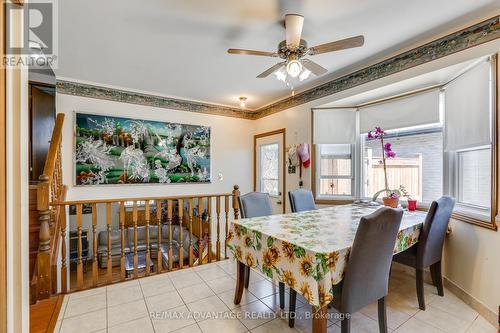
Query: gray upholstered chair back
[[431, 239], [301, 200], [367, 274], [255, 204]]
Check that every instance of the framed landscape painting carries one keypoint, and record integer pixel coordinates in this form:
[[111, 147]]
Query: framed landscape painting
[[116, 150]]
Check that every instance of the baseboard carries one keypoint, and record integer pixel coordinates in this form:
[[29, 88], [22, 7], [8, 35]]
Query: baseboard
[[479, 307]]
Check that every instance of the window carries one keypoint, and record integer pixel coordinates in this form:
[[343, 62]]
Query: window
[[418, 164], [269, 164], [473, 177], [335, 170]]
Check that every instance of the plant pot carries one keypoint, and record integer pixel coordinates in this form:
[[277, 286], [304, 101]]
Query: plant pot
[[412, 205], [391, 202]]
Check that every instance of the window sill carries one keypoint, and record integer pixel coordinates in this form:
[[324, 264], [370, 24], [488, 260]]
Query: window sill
[[333, 201], [481, 222]]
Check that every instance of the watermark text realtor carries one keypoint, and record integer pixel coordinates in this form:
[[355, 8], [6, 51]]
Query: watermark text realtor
[[31, 34]]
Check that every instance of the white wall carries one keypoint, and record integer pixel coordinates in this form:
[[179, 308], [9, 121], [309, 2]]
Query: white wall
[[231, 149]]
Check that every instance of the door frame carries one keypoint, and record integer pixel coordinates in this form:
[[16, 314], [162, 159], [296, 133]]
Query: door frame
[[3, 179], [281, 131]]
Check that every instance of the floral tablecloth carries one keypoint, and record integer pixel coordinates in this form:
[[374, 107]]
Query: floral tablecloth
[[308, 251]]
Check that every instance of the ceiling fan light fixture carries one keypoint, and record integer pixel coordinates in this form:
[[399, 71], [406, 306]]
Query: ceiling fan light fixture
[[280, 74], [293, 68]]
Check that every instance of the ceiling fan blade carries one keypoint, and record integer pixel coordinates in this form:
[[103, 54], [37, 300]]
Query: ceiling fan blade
[[313, 67], [338, 45], [293, 27], [271, 70], [252, 52]]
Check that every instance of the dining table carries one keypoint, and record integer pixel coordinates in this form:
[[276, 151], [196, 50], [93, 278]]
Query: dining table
[[307, 251]]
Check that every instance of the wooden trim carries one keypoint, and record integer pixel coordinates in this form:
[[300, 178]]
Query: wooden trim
[[55, 314], [262, 135], [333, 202], [3, 179]]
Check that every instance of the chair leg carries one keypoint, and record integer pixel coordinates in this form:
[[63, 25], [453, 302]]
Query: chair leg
[[291, 308], [382, 316], [345, 325], [282, 294], [247, 276], [437, 279], [420, 288]]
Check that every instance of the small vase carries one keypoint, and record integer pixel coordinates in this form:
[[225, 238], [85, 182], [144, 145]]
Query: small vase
[[412, 205], [391, 202]]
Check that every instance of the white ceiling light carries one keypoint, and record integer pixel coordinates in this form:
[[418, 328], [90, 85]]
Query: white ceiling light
[[293, 68], [243, 101], [280, 74], [304, 75]]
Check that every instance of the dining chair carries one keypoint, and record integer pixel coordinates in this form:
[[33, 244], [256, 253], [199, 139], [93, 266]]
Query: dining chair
[[256, 204], [427, 252], [301, 200], [366, 278]]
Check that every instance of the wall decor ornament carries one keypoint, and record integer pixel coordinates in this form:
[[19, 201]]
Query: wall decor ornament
[[118, 150]]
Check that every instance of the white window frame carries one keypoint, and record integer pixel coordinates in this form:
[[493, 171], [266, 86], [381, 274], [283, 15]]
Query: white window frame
[[353, 177]]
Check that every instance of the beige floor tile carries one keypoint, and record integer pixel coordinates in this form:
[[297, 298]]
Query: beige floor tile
[[254, 314], [303, 322], [142, 325], [85, 293], [194, 293], [443, 320], [207, 308], [126, 312], [262, 288], [455, 307], [122, 285], [222, 284], [228, 298], [416, 326], [155, 278], [185, 280], [164, 302], [172, 320], [273, 301], [157, 287], [228, 325], [255, 276], [395, 317], [212, 273], [83, 305], [276, 325], [362, 324], [408, 305], [189, 329], [124, 295], [85, 323], [481, 325]]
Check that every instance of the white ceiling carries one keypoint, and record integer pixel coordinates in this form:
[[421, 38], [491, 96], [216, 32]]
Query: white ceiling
[[178, 48]]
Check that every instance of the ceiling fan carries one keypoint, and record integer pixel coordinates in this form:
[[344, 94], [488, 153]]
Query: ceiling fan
[[294, 49]]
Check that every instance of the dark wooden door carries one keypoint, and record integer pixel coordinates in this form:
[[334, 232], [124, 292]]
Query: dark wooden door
[[42, 116]]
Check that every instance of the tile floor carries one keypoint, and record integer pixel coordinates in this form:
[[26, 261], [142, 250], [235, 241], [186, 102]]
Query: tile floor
[[163, 303]]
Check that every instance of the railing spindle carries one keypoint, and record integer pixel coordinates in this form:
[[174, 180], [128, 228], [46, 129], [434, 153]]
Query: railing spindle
[[108, 227], [79, 268], [209, 217], [94, 247], [190, 216], [64, 267], [217, 210], [147, 217], [226, 228], [180, 203], [122, 240], [159, 258], [170, 243], [136, 257], [200, 232]]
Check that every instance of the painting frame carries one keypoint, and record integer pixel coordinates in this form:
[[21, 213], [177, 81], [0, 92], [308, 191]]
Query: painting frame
[[75, 181]]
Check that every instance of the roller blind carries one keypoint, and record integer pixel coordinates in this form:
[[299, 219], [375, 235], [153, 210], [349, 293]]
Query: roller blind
[[414, 110], [334, 126], [467, 109]]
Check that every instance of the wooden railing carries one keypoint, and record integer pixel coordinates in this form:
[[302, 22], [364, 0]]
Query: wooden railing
[[190, 230], [50, 188]]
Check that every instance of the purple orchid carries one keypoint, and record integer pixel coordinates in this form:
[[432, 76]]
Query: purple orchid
[[387, 152]]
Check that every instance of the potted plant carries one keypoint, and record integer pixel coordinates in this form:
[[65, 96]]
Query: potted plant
[[412, 203], [391, 198]]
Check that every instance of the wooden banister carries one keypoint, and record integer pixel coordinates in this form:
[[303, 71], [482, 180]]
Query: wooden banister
[[49, 189]]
